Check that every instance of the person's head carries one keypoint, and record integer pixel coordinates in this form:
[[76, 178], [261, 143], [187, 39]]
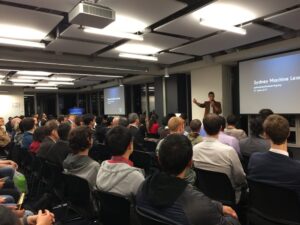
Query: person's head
[[43, 122], [175, 154], [183, 116], [222, 122], [152, 120], [89, 120], [264, 113], [232, 120], [61, 119], [123, 121], [71, 117], [277, 129], [99, 120], [211, 96], [212, 124], [115, 121], [133, 118], [51, 129], [80, 139], [1, 121], [28, 124], [63, 131], [195, 125], [119, 141], [109, 121], [176, 125], [256, 126], [8, 217], [77, 121], [39, 134]]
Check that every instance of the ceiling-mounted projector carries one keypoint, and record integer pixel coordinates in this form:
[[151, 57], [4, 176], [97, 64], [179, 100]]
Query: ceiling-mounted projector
[[91, 15]]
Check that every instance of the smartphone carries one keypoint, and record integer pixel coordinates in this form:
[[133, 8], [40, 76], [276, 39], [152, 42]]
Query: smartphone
[[21, 201]]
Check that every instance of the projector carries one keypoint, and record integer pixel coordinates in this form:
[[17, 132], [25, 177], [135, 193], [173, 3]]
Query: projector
[[91, 15]]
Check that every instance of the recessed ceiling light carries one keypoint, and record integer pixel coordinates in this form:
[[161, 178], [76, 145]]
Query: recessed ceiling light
[[33, 73], [21, 33], [138, 49], [136, 56], [7, 41]]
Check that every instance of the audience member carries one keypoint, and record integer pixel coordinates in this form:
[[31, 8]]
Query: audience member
[[212, 155], [4, 136], [256, 142], [37, 138], [59, 151], [118, 174], [227, 139], [231, 129], [193, 136], [153, 126], [123, 121], [100, 132], [71, 120], [51, 137], [89, 120], [77, 122], [78, 162], [143, 126], [28, 126], [264, 113], [8, 125], [274, 166], [18, 132], [138, 139], [165, 195]]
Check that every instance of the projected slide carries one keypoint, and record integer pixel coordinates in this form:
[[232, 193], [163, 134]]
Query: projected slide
[[114, 101], [270, 82]]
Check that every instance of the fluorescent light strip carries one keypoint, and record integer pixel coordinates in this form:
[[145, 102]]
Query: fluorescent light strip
[[32, 44], [54, 79], [2, 76], [135, 56], [22, 81], [221, 26], [113, 33], [90, 75], [33, 73], [47, 88], [22, 84], [61, 83], [45, 84]]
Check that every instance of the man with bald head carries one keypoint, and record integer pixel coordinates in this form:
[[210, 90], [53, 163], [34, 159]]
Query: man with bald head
[[176, 126]]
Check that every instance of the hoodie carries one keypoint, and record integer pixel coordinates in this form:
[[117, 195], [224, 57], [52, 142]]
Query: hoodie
[[173, 200], [119, 178], [82, 166]]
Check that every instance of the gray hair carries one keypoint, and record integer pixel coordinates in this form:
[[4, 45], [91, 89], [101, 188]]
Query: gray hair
[[133, 117]]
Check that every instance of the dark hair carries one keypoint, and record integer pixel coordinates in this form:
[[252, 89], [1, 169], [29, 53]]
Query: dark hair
[[80, 139], [152, 121], [99, 120], [63, 131], [78, 120], [222, 122], [183, 116], [123, 121], [28, 123], [43, 122], [61, 118], [118, 139], [195, 125], [264, 113], [256, 126], [211, 93], [277, 128], [232, 120], [8, 217], [50, 126], [109, 121], [21, 126], [87, 119], [175, 153], [143, 119], [212, 124], [39, 134]]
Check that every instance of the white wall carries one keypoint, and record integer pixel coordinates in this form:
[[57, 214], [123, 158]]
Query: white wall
[[214, 78], [11, 102]]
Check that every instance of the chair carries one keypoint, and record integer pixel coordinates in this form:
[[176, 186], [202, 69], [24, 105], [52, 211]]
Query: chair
[[271, 205], [114, 209], [245, 162], [150, 146], [52, 176], [100, 152], [77, 194], [216, 186], [147, 219], [143, 160]]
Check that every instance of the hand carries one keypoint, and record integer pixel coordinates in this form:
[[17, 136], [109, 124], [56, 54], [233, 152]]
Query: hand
[[229, 211], [13, 164], [194, 100], [2, 200], [2, 184], [31, 220], [46, 218], [18, 212]]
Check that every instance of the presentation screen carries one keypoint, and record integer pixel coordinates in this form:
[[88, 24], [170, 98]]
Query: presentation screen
[[76, 111], [271, 82], [114, 101]]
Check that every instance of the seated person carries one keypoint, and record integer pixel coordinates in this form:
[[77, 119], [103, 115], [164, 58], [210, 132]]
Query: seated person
[[134, 127], [28, 127], [59, 151], [256, 142], [194, 136], [118, 175], [231, 129], [51, 137], [37, 138], [78, 162], [274, 166], [166, 195], [4, 136], [212, 155], [153, 126]]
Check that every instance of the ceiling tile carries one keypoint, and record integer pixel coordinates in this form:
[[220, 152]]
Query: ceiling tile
[[289, 19], [169, 58], [227, 40], [77, 47]]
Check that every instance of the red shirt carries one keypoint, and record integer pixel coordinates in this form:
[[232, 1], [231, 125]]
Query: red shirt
[[34, 147], [120, 159], [154, 128]]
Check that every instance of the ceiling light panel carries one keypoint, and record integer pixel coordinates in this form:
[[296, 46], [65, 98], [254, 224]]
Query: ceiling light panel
[[27, 33], [135, 56], [138, 49], [33, 73], [30, 44], [22, 81], [113, 33], [46, 88]]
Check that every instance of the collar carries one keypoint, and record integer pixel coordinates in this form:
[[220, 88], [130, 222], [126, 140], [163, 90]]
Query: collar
[[133, 125], [278, 151], [230, 127], [120, 159], [210, 139], [52, 139]]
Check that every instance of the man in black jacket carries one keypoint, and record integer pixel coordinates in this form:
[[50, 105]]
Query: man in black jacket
[[138, 139], [168, 197]]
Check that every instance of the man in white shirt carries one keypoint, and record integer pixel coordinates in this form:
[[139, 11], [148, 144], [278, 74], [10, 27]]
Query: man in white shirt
[[212, 155]]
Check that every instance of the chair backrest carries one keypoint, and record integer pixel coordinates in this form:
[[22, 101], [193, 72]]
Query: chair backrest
[[141, 159], [274, 203], [114, 209], [245, 162], [52, 172], [100, 152], [150, 146], [147, 219], [216, 186]]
